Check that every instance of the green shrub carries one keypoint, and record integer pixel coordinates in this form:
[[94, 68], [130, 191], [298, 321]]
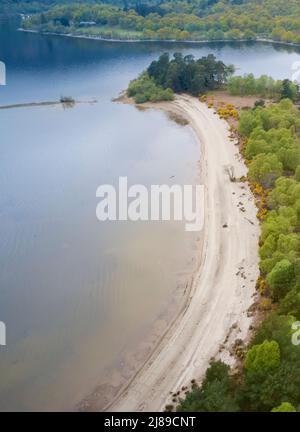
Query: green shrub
[[144, 89], [284, 407], [263, 357], [281, 279], [216, 393], [265, 169]]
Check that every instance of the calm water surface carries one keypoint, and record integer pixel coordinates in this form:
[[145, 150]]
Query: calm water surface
[[78, 296]]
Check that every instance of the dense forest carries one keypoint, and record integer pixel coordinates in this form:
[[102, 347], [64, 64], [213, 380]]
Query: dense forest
[[34, 6], [173, 20], [27, 6]]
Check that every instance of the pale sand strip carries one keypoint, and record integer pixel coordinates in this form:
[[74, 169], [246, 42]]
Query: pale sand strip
[[219, 297]]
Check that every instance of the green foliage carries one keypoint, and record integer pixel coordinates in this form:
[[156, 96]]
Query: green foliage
[[282, 142], [28, 6], [278, 328], [218, 371], [288, 90], [215, 395], [282, 115], [297, 173], [185, 74], [284, 407], [265, 169], [263, 86], [145, 89], [285, 193], [290, 304], [35, 6], [259, 103], [281, 278], [169, 20], [263, 357], [263, 391], [179, 74], [248, 122], [281, 221]]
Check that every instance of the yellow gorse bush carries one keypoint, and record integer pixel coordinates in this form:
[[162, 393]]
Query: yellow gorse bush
[[227, 111]]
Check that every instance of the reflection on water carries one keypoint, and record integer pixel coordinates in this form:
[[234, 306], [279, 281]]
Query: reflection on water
[[78, 296]]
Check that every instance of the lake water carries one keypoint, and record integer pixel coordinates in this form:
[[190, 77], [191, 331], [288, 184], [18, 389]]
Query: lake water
[[84, 301]]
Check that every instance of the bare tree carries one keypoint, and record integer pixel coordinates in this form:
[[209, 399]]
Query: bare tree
[[229, 169]]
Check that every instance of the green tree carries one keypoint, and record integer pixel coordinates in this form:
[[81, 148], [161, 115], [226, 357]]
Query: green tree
[[290, 304], [297, 173], [284, 407], [263, 357], [279, 328], [281, 279], [248, 122], [263, 391], [288, 90], [265, 169], [215, 395]]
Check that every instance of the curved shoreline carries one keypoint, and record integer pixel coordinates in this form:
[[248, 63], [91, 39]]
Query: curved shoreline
[[171, 41], [224, 285]]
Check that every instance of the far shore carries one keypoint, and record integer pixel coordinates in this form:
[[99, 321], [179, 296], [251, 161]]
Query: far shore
[[215, 312], [171, 41]]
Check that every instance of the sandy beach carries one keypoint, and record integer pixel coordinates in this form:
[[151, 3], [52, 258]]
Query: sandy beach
[[215, 313]]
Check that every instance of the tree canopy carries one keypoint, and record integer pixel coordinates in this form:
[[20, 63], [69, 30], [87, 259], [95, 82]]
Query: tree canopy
[[168, 20], [186, 74], [263, 357], [178, 74]]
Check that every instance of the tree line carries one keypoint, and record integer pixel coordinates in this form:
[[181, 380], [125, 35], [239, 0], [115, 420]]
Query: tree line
[[264, 86], [179, 20]]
